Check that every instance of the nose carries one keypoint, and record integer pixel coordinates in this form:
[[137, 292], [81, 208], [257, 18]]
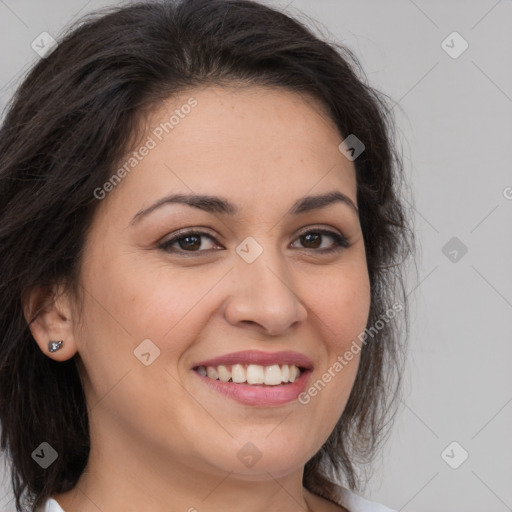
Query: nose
[[263, 293]]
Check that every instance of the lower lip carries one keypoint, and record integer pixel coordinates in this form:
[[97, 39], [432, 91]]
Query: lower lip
[[259, 394]]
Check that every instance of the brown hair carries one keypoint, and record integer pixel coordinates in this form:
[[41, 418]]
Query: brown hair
[[68, 125]]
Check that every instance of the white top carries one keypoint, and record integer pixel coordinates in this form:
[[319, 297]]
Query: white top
[[352, 502]]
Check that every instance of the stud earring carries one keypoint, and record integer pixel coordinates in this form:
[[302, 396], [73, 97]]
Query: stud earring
[[54, 345]]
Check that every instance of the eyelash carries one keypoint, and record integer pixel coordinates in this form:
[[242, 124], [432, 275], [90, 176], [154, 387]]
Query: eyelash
[[340, 242]]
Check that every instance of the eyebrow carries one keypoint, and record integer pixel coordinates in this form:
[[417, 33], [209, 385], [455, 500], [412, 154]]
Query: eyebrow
[[219, 205]]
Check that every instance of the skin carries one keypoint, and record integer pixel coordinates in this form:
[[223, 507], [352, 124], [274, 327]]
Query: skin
[[160, 437]]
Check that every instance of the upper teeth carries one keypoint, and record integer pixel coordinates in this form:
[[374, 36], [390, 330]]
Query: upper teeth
[[252, 374]]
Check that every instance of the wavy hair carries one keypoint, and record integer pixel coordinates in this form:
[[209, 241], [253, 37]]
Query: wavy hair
[[73, 119]]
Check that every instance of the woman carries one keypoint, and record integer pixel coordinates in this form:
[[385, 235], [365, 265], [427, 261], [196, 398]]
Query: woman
[[200, 230]]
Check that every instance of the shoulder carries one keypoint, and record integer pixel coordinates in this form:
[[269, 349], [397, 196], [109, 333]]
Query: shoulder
[[50, 506], [320, 504], [347, 501], [355, 503]]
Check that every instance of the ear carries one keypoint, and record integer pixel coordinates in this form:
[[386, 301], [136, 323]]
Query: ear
[[50, 317]]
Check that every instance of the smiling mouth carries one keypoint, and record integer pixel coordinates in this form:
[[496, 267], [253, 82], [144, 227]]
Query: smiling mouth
[[252, 374]]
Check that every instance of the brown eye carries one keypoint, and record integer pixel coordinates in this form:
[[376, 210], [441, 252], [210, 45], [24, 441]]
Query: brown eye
[[313, 240], [192, 242], [187, 242]]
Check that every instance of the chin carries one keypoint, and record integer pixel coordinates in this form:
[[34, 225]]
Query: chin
[[262, 472], [253, 464]]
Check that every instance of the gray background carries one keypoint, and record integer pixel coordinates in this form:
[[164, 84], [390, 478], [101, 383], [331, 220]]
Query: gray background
[[454, 119]]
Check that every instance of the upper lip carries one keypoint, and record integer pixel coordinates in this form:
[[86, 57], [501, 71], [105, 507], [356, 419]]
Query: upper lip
[[260, 358]]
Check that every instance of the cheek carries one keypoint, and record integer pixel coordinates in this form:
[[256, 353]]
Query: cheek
[[170, 308], [342, 304], [123, 312]]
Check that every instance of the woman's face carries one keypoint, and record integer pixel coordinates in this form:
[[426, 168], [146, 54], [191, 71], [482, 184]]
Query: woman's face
[[267, 278]]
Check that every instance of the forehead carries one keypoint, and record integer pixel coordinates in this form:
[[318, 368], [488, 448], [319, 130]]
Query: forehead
[[253, 144]]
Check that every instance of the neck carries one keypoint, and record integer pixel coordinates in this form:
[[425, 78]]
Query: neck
[[139, 479]]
